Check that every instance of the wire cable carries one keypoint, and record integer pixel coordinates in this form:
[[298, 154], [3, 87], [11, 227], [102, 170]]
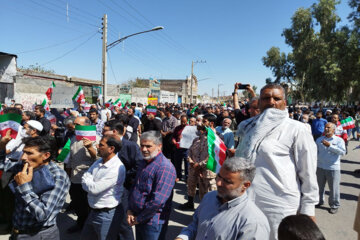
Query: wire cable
[[111, 67], [70, 51], [54, 45]]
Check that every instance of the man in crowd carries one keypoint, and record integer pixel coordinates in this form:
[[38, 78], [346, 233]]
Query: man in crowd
[[168, 125], [82, 155], [180, 153], [198, 173], [152, 123], [228, 213], [131, 157], [242, 114], [40, 116], [150, 199], [94, 118], [134, 122], [38, 197], [284, 154], [339, 131], [318, 125], [226, 134], [104, 184], [330, 148]]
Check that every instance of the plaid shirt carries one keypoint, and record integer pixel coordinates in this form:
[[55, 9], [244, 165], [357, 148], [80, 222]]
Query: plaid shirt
[[33, 211], [154, 183]]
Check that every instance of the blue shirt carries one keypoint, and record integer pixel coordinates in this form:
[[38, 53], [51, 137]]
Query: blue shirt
[[329, 157], [154, 183], [318, 126], [239, 218], [228, 136]]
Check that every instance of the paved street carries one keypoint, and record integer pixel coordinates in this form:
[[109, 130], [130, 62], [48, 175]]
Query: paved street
[[335, 227]]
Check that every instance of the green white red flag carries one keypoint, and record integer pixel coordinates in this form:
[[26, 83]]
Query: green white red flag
[[79, 95], [51, 118], [50, 90], [10, 121], [217, 151], [151, 110], [117, 103], [45, 104], [108, 103], [1, 110], [88, 132], [347, 123], [64, 152]]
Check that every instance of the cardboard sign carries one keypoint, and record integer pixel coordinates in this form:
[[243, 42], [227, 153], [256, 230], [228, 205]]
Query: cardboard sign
[[188, 136], [62, 97], [153, 101]]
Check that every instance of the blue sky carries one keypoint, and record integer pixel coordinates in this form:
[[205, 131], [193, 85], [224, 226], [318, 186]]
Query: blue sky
[[231, 36]]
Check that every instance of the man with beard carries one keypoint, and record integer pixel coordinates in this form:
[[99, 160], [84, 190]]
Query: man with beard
[[150, 198], [40, 116], [284, 154], [229, 204], [94, 118]]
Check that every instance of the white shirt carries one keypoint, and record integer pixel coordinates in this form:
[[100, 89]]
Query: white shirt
[[103, 113], [285, 181], [104, 183]]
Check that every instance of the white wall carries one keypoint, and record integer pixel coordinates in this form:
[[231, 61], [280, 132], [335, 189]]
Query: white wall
[[7, 68]]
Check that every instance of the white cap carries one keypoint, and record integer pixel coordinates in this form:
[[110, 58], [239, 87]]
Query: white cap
[[35, 124]]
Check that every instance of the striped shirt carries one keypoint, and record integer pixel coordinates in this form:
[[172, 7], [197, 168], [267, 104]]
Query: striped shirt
[[154, 183], [34, 211]]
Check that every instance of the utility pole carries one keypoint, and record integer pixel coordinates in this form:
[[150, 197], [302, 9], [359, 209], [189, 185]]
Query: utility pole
[[192, 78], [212, 96], [218, 98], [104, 57]]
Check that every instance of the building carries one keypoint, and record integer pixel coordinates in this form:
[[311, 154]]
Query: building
[[7, 73]]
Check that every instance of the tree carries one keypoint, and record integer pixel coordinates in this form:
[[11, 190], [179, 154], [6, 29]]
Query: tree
[[36, 68], [324, 63]]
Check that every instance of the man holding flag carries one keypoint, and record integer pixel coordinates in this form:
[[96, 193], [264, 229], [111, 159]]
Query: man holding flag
[[198, 173], [82, 155]]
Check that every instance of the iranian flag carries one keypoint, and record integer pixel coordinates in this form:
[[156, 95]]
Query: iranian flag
[[347, 123], [45, 104], [108, 103], [79, 95], [10, 121], [64, 154], [50, 90], [217, 151], [117, 103], [51, 118], [151, 110], [88, 132]]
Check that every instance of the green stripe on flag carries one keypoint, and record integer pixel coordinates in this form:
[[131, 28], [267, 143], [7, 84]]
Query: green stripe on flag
[[194, 109], [64, 152], [118, 100], [211, 164], [85, 128], [43, 102], [77, 93], [11, 117], [346, 120]]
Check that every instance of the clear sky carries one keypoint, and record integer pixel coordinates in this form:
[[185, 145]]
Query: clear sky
[[231, 36]]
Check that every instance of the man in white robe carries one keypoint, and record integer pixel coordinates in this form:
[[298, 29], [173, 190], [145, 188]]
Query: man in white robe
[[285, 157]]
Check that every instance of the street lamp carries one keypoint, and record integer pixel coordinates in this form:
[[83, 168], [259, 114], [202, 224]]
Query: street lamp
[[106, 47]]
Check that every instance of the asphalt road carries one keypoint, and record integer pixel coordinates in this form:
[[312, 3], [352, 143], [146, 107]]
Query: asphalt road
[[334, 227]]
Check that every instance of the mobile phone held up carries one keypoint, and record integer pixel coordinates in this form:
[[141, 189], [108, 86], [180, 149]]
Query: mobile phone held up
[[243, 86]]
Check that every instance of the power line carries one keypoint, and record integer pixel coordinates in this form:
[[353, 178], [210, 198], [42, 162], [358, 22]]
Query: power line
[[62, 14], [54, 45], [41, 19], [70, 51], [112, 70]]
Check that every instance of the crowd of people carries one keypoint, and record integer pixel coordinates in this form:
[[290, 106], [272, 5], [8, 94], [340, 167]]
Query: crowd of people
[[278, 160]]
